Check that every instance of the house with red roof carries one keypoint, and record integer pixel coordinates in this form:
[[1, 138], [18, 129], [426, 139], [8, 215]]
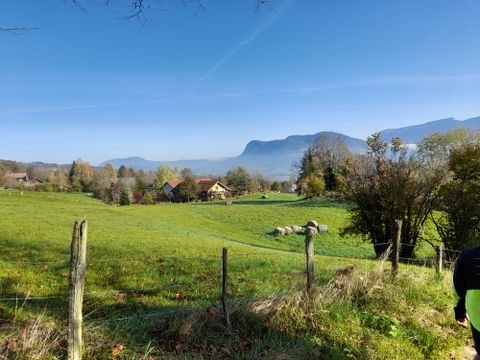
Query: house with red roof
[[208, 189], [16, 177], [170, 186]]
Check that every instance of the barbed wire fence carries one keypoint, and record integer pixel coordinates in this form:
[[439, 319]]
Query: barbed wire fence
[[77, 274]]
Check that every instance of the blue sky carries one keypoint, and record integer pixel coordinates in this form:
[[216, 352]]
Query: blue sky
[[86, 84]]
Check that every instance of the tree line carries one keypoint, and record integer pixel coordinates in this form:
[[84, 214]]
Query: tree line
[[436, 185], [127, 185]]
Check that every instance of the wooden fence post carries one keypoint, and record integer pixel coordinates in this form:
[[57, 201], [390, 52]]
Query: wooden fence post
[[226, 314], [396, 248], [309, 251], [440, 260], [78, 267]]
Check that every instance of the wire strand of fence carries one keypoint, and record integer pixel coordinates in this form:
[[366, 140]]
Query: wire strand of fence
[[418, 259], [412, 245], [266, 254], [40, 298], [95, 261], [33, 262], [156, 260], [133, 291], [126, 318]]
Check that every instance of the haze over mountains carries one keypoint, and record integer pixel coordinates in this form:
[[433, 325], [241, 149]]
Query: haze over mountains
[[275, 158]]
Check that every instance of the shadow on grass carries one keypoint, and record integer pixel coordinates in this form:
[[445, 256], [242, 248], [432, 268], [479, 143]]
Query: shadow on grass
[[246, 202], [201, 333], [127, 317], [319, 203], [300, 203]]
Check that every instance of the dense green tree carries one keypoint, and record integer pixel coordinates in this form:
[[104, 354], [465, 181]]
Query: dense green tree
[[311, 186], [2, 175], [124, 196], [122, 172], [81, 175], [335, 160], [310, 182], [459, 222], [140, 182], [387, 185], [148, 199], [187, 191], [164, 174], [71, 173], [239, 180], [276, 186]]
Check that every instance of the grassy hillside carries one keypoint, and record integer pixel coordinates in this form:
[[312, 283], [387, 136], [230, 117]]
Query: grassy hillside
[[153, 270]]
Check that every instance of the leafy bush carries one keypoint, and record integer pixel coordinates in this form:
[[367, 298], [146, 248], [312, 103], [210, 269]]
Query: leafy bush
[[148, 199]]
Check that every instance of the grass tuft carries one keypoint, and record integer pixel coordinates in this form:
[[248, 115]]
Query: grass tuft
[[32, 340]]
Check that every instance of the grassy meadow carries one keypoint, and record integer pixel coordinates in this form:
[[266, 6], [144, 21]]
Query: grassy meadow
[[154, 276]]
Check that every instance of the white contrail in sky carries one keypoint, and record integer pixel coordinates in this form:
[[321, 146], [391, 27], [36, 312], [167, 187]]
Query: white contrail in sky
[[273, 16]]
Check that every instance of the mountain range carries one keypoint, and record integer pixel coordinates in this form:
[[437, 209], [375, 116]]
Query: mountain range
[[276, 158]]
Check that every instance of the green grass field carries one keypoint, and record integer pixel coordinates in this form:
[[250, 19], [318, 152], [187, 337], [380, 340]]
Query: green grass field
[[145, 263]]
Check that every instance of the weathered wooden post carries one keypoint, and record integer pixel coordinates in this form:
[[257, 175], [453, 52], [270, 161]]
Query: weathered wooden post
[[440, 260], [226, 314], [78, 265], [309, 251], [396, 248]]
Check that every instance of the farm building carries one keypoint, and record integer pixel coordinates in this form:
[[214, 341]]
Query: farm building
[[208, 189], [16, 177], [170, 186]]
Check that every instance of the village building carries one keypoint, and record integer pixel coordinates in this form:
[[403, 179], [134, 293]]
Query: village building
[[16, 177], [208, 189], [169, 187]]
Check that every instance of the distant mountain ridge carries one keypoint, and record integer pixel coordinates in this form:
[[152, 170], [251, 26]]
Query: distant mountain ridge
[[294, 143], [275, 158], [414, 134]]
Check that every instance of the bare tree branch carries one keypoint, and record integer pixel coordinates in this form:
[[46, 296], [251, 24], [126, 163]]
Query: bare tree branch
[[138, 10]]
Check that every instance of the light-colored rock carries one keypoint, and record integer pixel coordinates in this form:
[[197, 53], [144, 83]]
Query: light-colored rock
[[289, 230], [296, 228], [279, 231], [322, 228]]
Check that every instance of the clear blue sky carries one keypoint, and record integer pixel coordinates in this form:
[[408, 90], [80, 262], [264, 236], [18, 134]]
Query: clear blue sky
[[88, 85]]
